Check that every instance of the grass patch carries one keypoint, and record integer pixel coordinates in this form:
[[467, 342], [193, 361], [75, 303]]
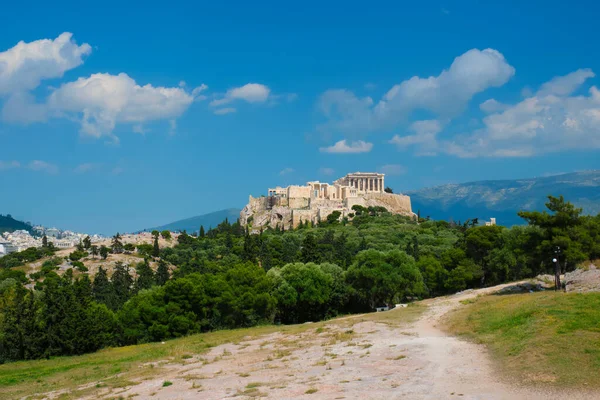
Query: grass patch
[[537, 338], [311, 391], [167, 383]]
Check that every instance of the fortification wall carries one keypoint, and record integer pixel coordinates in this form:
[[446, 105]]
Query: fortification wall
[[303, 216], [299, 191]]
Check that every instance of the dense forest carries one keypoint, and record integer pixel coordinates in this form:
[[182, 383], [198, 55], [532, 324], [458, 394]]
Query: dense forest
[[225, 277]]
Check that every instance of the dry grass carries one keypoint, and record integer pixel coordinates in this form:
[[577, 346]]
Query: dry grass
[[110, 369]]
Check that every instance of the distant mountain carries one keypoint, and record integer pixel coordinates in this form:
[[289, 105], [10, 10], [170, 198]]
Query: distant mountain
[[9, 224], [503, 199], [207, 220]]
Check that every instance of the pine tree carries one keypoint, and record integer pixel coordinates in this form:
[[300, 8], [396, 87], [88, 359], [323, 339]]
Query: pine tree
[[44, 241], [102, 289], [122, 283], [103, 252], [162, 273], [201, 234], [117, 244], [87, 242], [363, 244], [145, 276], [94, 250]]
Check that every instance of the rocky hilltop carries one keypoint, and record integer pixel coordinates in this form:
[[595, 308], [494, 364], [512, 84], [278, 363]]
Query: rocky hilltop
[[288, 207]]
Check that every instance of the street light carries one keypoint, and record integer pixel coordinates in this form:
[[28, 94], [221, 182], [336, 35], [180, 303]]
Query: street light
[[557, 285]]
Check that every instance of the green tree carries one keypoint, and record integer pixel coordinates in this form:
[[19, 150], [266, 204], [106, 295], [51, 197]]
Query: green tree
[[117, 244], [309, 252], [155, 247], [201, 234], [87, 242], [44, 241], [103, 252], [94, 250], [162, 273], [145, 276], [166, 235], [384, 277], [102, 289], [122, 283]]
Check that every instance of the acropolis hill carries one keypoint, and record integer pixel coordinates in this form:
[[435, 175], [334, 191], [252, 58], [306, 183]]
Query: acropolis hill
[[289, 206]]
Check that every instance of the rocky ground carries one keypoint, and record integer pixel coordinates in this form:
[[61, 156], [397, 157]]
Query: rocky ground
[[350, 358]]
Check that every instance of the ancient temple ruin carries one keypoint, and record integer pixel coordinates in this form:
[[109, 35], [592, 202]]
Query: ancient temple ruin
[[288, 206]]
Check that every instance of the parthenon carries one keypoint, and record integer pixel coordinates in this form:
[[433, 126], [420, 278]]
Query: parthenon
[[314, 201]]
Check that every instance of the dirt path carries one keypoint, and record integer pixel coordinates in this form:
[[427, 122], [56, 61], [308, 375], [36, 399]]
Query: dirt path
[[347, 359]]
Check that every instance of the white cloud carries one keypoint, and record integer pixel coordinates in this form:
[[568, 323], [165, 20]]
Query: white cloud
[[250, 92], [286, 171], [6, 165], [342, 146], [551, 120], [139, 128], [565, 85], [326, 171], [492, 105], [392, 169], [43, 166], [103, 100], [196, 92], [83, 168], [446, 95], [182, 84], [424, 137], [226, 110], [25, 65]]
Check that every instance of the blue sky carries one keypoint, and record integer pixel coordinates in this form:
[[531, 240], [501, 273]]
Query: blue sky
[[125, 116]]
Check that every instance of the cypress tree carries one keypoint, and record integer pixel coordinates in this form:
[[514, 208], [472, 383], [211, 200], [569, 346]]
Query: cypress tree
[[156, 249], [309, 252], [202, 234], [122, 283]]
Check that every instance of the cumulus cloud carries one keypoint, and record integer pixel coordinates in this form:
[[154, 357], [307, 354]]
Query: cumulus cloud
[[103, 100], [342, 146], [98, 102], [286, 171], [424, 137], [25, 65], [43, 166], [6, 165], [551, 120], [392, 169], [250, 92], [492, 105], [446, 95]]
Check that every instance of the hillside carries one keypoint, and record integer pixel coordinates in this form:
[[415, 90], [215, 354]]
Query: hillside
[[9, 224], [207, 220], [503, 198]]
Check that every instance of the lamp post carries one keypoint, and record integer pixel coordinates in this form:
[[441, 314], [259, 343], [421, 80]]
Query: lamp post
[[555, 260]]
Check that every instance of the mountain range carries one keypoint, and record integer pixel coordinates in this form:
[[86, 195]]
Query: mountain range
[[502, 199], [207, 220]]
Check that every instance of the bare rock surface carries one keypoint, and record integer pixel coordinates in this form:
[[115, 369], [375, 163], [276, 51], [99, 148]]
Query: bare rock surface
[[585, 279]]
